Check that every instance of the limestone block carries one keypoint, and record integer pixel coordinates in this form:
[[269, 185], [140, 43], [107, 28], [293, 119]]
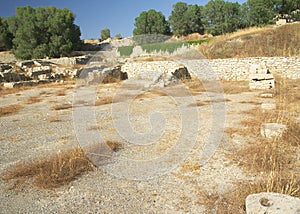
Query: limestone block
[[272, 203], [271, 130]]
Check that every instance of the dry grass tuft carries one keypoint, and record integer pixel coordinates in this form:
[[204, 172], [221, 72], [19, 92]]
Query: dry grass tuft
[[54, 171], [61, 92], [104, 101], [150, 59], [208, 102], [33, 99], [62, 106], [250, 102], [10, 109], [115, 146], [54, 119]]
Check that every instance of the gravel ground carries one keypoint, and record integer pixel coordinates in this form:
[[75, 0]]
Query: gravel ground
[[30, 134]]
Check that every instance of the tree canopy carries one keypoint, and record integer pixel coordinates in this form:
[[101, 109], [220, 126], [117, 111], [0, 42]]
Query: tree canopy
[[186, 19], [5, 35], [43, 32], [151, 22], [222, 17], [105, 34]]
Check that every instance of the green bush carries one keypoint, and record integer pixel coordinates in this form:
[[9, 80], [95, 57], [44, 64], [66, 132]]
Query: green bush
[[125, 50], [197, 42]]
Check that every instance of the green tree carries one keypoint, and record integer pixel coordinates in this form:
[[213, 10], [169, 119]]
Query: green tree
[[105, 34], [151, 22], [118, 36], [258, 12], [43, 32], [222, 17], [5, 36], [194, 15], [179, 19], [186, 19]]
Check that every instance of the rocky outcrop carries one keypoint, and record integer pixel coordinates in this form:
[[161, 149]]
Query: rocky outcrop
[[102, 74]]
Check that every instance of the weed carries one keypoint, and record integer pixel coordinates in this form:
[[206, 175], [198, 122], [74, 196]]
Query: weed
[[61, 93], [62, 106], [52, 172], [10, 109], [33, 99]]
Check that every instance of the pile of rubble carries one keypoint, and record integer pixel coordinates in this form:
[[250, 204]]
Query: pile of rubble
[[32, 72]]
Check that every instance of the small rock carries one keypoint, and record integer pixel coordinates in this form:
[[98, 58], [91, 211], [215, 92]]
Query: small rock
[[274, 203], [9, 84], [271, 130], [266, 95], [268, 106]]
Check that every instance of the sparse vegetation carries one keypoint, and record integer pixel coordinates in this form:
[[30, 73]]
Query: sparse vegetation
[[169, 47], [62, 106], [10, 109], [33, 99], [255, 42], [55, 170], [273, 162], [103, 101], [51, 172]]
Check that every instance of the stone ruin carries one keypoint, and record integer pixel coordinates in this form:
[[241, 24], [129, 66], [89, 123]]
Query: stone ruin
[[261, 77]]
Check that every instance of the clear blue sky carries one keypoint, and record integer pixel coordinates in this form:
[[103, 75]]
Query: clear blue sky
[[94, 15]]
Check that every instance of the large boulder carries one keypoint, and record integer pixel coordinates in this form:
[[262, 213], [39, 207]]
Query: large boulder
[[275, 203], [102, 74]]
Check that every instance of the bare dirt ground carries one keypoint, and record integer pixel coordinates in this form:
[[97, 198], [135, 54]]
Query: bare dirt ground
[[38, 129]]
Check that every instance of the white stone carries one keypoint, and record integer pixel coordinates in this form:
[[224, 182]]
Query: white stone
[[9, 84], [271, 130], [268, 106], [272, 203], [266, 95]]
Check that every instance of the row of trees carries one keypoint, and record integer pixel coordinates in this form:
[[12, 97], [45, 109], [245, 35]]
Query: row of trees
[[216, 17], [40, 32]]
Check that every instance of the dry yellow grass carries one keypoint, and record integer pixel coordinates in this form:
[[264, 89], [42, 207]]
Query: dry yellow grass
[[115, 146], [62, 106], [227, 87], [10, 109], [254, 42], [54, 119], [61, 92], [53, 171], [104, 101], [33, 99], [273, 162]]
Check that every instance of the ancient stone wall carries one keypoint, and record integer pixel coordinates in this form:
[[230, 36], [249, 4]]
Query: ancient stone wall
[[226, 69]]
